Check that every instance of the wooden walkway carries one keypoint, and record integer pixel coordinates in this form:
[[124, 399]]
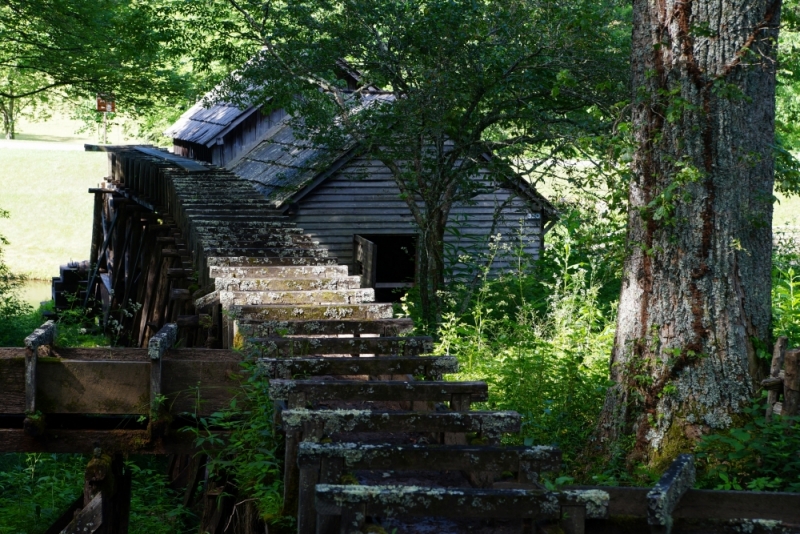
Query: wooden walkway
[[356, 398]]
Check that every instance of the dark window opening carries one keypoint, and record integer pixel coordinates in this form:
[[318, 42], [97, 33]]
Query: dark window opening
[[387, 263]]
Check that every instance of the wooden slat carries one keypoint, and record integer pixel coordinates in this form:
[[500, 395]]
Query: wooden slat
[[322, 390], [288, 347], [450, 502], [709, 504], [528, 461], [311, 312], [89, 520], [386, 327], [429, 367], [328, 422], [119, 387], [82, 442]]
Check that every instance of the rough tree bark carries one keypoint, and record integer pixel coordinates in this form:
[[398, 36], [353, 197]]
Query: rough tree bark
[[695, 301]]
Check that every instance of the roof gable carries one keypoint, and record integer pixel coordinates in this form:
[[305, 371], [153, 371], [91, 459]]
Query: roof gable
[[204, 125]]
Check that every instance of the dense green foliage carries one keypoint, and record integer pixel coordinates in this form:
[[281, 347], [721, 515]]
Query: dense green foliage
[[541, 335], [35, 489], [17, 318], [61, 53], [757, 455], [438, 89], [248, 462]]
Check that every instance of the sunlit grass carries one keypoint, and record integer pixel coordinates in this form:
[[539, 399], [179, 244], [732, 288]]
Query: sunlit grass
[[46, 194]]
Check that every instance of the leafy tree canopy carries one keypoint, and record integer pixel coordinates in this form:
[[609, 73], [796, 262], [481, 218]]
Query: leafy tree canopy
[[439, 85]]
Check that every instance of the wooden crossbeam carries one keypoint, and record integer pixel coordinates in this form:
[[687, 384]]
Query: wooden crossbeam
[[326, 463], [300, 392], [431, 366], [94, 384], [289, 347], [355, 503], [315, 424], [385, 327]]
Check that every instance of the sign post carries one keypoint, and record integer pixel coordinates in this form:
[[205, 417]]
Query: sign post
[[106, 102]]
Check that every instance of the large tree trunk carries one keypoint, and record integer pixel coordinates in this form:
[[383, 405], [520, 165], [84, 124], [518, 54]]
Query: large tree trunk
[[695, 301]]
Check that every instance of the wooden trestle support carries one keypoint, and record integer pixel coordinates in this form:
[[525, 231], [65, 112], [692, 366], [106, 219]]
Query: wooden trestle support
[[190, 263]]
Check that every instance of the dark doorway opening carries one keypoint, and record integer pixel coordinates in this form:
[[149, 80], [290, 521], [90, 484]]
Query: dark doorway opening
[[386, 262]]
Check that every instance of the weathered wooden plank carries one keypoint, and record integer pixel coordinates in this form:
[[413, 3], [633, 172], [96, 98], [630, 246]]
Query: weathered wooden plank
[[386, 327], [432, 367], [12, 380], [709, 504], [298, 392], [319, 296], [120, 387], [93, 387], [89, 520], [83, 442], [200, 387], [132, 354], [313, 313], [666, 494], [321, 423], [287, 284], [278, 271], [527, 462], [289, 347], [791, 383], [450, 502]]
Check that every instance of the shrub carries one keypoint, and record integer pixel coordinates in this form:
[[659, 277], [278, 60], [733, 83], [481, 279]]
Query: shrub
[[541, 336], [35, 489], [249, 457], [755, 455]]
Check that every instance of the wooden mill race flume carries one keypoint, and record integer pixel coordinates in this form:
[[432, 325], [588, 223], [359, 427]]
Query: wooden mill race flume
[[185, 255]]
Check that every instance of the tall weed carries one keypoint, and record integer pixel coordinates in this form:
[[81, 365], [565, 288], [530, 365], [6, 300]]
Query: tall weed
[[541, 335], [243, 448]]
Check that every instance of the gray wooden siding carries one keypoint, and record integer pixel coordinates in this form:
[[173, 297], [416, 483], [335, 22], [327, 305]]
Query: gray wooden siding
[[240, 139], [363, 198]]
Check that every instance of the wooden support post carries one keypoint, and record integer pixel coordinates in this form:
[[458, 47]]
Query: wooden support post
[[791, 383], [778, 355], [106, 479], [42, 336], [97, 227], [573, 519], [156, 348], [666, 494]]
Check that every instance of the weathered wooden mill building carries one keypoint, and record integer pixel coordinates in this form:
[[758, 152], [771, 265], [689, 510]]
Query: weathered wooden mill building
[[349, 202]]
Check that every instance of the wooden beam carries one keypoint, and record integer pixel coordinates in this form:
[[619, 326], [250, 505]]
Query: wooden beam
[[791, 383], [778, 355], [89, 520], [666, 494], [156, 348], [627, 502], [44, 335], [429, 366], [288, 347], [83, 441], [298, 392]]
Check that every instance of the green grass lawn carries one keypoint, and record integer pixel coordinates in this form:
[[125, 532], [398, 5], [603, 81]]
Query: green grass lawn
[[45, 193]]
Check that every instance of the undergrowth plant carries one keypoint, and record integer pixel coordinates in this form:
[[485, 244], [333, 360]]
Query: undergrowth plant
[[35, 489], [244, 452], [155, 507], [757, 455], [541, 333], [17, 318]]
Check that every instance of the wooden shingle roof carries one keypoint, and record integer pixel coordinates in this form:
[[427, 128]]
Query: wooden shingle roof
[[204, 125]]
